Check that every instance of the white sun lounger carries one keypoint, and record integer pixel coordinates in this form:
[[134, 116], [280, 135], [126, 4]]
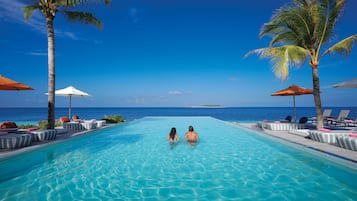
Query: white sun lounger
[[42, 135], [13, 141], [325, 137], [347, 142], [280, 126]]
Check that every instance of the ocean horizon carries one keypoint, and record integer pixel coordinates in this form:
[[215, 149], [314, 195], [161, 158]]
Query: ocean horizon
[[29, 115]]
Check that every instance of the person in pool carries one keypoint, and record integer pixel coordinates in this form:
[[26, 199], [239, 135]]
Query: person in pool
[[191, 136], [173, 136]]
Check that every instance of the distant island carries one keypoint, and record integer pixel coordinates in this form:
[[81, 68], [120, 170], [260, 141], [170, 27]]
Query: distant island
[[207, 106]]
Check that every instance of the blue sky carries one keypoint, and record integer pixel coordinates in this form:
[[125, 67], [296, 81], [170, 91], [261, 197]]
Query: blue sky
[[163, 53]]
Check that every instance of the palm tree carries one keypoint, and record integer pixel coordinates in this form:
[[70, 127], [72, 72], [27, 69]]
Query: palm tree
[[299, 32], [49, 9]]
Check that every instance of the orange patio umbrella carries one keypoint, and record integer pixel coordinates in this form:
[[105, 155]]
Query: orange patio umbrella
[[293, 90], [8, 84]]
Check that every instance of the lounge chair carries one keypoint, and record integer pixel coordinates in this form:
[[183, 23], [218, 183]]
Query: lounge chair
[[11, 137], [326, 136], [43, 135], [78, 124], [326, 114], [303, 120], [340, 119], [15, 140], [350, 122], [89, 124], [283, 125], [347, 141]]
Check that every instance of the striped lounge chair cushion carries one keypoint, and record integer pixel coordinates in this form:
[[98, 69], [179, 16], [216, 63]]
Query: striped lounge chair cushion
[[88, 125], [73, 126], [12, 141], [325, 137], [347, 142], [41, 135]]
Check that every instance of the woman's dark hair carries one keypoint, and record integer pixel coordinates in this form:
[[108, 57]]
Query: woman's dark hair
[[172, 133], [190, 128]]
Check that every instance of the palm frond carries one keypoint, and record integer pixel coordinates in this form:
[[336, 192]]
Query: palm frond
[[289, 25], [284, 38], [83, 17], [28, 10], [329, 11], [343, 47], [282, 58]]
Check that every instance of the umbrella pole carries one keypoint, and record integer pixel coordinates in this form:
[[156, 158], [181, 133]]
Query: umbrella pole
[[294, 110], [70, 106]]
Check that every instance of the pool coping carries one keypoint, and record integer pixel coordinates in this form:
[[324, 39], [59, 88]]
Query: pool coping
[[330, 152]]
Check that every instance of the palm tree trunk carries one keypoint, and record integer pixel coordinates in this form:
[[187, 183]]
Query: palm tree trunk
[[317, 98], [51, 73]]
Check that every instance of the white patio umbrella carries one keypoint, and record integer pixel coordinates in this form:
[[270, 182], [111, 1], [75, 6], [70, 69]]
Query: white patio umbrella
[[347, 84], [70, 91]]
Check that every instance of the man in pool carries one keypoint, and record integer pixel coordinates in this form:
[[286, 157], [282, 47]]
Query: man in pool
[[191, 136]]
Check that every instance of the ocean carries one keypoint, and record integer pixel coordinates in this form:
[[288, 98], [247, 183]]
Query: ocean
[[239, 114]]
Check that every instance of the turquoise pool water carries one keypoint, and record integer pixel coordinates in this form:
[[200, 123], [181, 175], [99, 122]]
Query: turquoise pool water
[[133, 161]]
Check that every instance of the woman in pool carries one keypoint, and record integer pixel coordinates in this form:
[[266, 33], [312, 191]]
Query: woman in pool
[[173, 136]]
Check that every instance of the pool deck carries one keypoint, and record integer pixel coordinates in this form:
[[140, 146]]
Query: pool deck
[[331, 150]]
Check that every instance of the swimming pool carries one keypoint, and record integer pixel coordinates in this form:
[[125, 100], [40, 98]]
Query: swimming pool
[[133, 161]]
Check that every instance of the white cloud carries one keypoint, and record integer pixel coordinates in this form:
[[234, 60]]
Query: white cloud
[[175, 92], [179, 92], [11, 11], [37, 53], [70, 35]]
